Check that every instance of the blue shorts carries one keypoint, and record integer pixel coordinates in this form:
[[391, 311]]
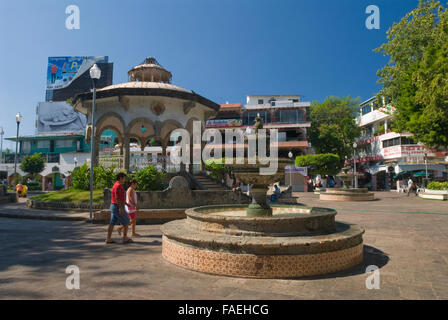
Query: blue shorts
[[116, 217]]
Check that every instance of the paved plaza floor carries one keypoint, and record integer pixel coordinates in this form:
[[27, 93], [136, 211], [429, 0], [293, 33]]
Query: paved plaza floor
[[407, 238]]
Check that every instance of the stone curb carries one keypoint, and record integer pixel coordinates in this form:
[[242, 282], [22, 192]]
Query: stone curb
[[41, 217]]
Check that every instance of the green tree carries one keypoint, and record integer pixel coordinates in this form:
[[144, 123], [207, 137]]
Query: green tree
[[33, 164], [415, 78], [333, 127], [323, 164]]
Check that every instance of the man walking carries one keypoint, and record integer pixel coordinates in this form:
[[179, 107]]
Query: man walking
[[118, 214], [411, 187]]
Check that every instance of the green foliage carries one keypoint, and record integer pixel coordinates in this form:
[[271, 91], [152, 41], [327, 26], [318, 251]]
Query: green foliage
[[333, 127], [435, 185], [149, 179], [102, 177], [81, 177], [324, 164], [415, 78], [33, 164], [217, 168]]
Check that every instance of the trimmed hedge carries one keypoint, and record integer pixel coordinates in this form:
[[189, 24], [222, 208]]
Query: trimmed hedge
[[435, 185]]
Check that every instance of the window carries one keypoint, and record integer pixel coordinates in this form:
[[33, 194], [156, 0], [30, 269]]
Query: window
[[249, 118], [366, 109], [260, 101], [43, 144], [64, 143], [26, 146], [288, 116], [407, 140]]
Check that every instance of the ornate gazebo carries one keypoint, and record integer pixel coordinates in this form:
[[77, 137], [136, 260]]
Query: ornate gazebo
[[147, 107]]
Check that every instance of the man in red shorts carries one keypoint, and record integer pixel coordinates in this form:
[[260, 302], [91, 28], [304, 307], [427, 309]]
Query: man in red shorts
[[117, 213]]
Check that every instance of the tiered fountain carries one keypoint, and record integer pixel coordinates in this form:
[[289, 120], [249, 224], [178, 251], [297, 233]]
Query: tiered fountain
[[346, 193], [262, 241]]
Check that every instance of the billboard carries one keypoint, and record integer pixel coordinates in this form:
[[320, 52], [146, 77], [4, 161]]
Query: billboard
[[68, 76], [61, 71], [223, 123], [59, 117]]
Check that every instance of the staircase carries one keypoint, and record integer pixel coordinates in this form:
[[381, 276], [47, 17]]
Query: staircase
[[209, 183]]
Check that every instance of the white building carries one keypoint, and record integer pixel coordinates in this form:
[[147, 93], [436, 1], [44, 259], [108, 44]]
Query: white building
[[384, 154]]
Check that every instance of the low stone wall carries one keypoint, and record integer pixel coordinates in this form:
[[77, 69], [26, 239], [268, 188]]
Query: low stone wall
[[179, 195], [71, 206], [6, 197], [144, 216]]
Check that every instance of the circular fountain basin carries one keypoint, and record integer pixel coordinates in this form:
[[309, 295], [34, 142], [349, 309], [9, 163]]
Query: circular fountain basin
[[296, 241], [347, 194]]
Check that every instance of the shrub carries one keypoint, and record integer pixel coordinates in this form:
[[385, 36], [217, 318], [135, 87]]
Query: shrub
[[435, 185], [324, 164], [217, 168], [81, 177], [149, 179], [102, 177]]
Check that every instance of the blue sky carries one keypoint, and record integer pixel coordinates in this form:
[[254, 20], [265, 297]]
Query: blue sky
[[222, 50]]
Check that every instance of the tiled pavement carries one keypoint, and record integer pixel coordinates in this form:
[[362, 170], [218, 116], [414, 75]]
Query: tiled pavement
[[406, 237]]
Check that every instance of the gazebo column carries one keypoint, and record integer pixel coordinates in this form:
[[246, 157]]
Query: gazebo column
[[127, 152], [164, 156], [44, 183]]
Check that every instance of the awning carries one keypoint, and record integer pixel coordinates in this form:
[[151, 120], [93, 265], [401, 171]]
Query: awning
[[422, 174]]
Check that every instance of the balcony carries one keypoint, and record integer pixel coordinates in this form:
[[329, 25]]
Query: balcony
[[278, 105], [49, 158]]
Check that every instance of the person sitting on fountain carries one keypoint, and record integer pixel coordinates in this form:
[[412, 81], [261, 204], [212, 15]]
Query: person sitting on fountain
[[276, 193]]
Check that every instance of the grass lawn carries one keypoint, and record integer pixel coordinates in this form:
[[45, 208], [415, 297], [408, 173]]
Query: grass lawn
[[71, 195]]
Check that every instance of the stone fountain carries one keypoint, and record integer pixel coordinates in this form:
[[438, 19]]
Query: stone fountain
[[259, 240], [347, 193]]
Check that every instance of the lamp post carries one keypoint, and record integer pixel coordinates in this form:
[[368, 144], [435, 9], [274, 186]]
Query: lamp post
[[248, 132], [18, 120], [426, 165], [354, 165], [95, 74], [1, 147], [290, 170]]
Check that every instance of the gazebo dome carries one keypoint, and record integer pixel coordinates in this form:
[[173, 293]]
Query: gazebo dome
[[149, 71]]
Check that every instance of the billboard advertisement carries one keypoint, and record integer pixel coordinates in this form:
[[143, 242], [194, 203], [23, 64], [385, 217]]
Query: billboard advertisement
[[223, 123], [69, 76], [59, 117], [61, 71]]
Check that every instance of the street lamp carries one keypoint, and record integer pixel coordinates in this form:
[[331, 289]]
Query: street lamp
[[18, 120], [290, 170], [1, 147], [354, 164], [95, 74]]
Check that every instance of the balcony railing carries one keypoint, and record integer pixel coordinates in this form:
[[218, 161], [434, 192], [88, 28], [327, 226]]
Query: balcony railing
[[49, 158]]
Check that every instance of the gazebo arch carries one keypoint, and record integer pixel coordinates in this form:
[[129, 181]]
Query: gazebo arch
[[141, 129]]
